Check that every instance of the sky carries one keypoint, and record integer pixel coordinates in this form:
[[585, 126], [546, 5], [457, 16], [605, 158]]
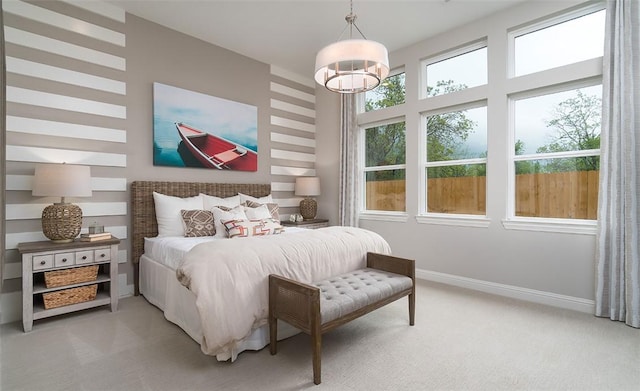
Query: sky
[[573, 41]]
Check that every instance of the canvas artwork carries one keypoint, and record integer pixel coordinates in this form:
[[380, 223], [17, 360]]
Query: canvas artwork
[[191, 129]]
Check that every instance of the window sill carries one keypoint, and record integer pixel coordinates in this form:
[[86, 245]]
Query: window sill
[[384, 216], [581, 227], [454, 220]]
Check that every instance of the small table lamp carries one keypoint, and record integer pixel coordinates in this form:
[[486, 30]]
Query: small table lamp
[[61, 222], [308, 186]]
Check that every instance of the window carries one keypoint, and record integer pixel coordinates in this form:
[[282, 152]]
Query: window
[[456, 156], [455, 71], [555, 44], [557, 154], [390, 92], [384, 170]]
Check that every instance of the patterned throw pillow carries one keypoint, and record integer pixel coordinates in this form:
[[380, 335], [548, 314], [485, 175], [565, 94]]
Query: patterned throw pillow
[[274, 209], [246, 228], [198, 223], [222, 214]]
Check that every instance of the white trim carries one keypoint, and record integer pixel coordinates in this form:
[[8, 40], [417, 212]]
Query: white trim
[[457, 220], [62, 75], [49, 155], [515, 292], [556, 155], [64, 22], [293, 140], [64, 129], [292, 92], [291, 108], [61, 48], [62, 102], [401, 217], [293, 124], [567, 226]]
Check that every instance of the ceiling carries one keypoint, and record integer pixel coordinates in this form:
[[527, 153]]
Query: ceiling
[[289, 33]]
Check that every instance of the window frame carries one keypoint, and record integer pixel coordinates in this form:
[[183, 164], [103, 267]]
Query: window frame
[[456, 219], [544, 224], [362, 99], [550, 21], [372, 214], [454, 52]]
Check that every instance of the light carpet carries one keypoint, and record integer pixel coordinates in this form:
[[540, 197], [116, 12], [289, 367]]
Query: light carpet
[[462, 340]]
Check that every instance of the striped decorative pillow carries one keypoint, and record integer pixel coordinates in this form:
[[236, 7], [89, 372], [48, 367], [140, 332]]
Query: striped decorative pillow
[[246, 228]]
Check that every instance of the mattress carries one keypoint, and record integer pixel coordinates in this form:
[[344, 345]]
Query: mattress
[[160, 287]]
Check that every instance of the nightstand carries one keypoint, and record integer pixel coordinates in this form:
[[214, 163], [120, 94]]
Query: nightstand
[[308, 224], [58, 278]]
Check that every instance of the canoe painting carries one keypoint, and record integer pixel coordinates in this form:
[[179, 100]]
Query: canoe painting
[[192, 129], [216, 152]]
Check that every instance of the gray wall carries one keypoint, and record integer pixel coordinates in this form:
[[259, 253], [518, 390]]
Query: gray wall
[[542, 266], [139, 53]]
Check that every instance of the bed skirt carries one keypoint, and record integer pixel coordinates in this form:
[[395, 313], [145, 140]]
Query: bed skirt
[[160, 287]]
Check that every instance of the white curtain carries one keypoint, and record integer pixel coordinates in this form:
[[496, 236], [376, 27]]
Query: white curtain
[[618, 240], [348, 205]]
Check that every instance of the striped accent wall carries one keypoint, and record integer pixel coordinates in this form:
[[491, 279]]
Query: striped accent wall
[[66, 102], [292, 135]]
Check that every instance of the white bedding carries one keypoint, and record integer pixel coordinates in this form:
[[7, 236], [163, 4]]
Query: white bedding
[[232, 274]]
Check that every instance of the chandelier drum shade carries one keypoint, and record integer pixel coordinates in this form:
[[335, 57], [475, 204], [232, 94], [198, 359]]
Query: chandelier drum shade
[[352, 65]]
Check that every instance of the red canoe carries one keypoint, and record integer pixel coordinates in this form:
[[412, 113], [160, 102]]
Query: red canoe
[[217, 152]]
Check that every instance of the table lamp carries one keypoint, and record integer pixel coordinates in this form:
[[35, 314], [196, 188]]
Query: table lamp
[[61, 222], [308, 187]]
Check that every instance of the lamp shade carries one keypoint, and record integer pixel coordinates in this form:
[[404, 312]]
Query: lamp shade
[[62, 180], [307, 186], [352, 65]]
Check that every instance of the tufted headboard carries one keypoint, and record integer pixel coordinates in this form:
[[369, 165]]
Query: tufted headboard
[[143, 213]]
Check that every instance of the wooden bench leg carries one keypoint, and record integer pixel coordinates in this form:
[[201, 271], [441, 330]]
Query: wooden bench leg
[[316, 341], [412, 308], [273, 335], [273, 321]]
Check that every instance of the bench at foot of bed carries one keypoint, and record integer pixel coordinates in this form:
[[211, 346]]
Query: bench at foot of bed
[[324, 305]]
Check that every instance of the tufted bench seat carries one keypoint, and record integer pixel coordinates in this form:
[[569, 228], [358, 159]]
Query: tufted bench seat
[[324, 305]]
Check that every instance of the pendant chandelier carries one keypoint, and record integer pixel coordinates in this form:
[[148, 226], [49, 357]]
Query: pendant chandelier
[[352, 65]]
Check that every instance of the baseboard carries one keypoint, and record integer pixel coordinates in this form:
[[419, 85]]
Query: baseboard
[[515, 292]]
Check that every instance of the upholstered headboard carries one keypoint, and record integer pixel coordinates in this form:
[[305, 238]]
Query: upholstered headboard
[[143, 212]]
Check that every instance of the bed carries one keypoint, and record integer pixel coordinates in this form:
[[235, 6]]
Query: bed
[[164, 271]]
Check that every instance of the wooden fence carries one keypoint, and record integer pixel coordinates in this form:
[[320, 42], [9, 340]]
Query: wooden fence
[[571, 194]]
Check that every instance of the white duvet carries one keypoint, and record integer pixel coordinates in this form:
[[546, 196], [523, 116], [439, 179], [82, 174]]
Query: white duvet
[[230, 277]]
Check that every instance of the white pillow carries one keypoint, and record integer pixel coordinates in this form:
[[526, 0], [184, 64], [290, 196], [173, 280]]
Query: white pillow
[[211, 201], [220, 215], [257, 213], [168, 213], [263, 200]]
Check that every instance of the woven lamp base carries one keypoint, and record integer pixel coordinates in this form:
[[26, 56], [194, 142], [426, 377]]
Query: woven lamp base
[[61, 222], [308, 208]]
